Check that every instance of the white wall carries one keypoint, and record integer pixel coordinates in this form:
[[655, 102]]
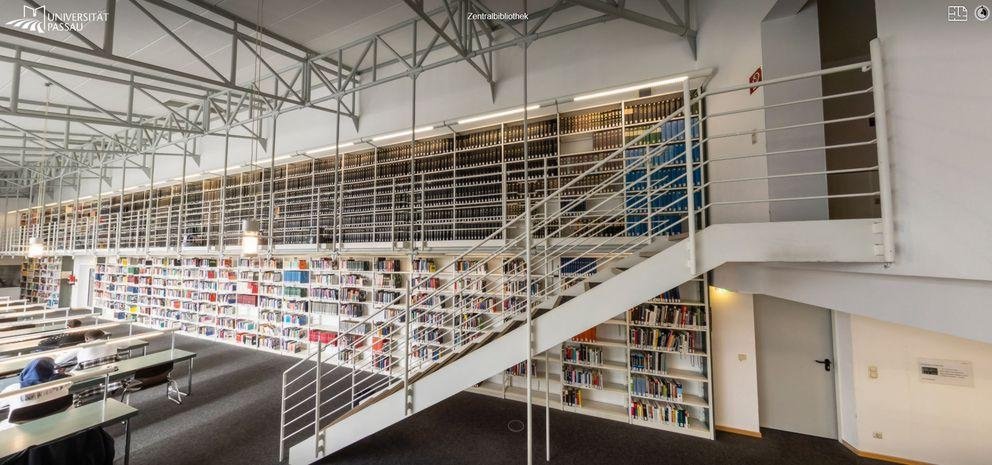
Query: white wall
[[791, 45], [935, 424], [735, 381], [932, 423], [730, 39], [937, 96], [81, 267]]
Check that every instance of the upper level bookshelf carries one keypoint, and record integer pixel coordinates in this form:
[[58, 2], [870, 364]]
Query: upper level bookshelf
[[459, 186], [40, 280]]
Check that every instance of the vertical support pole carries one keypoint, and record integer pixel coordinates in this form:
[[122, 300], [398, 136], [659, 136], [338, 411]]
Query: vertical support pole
[[530, 332], [690, 194], [413, 137], [339, 178], [223, 191], [407, 388], [108, 28], [272, 190], [15, 83], [59, 212], [408, 395], [149, 205], [282, 417], [882, 146], [75, 212], [317, 440], [180, 237], [120, 208], [99, 206], [6, 236]]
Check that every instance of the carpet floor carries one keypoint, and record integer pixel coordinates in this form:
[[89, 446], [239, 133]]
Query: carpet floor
[[233, 415]]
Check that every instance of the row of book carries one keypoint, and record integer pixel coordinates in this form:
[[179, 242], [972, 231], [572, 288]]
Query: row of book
[[672, 315]]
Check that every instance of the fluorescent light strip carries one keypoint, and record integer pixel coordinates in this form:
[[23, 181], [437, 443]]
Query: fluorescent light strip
[[497, 114], [631, 88], [401, 134], [331, 147]]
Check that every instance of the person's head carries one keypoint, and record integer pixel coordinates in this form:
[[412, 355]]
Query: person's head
[[74, 323], [93, 335], [37, 371]]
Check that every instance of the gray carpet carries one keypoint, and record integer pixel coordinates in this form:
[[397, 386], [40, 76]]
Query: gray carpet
[[232, 418]]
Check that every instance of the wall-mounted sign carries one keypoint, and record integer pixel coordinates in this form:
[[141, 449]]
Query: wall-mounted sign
[[952, 372], [755, 77]]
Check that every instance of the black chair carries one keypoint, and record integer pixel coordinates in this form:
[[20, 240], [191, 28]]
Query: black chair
[[150, 377], [39, 410]]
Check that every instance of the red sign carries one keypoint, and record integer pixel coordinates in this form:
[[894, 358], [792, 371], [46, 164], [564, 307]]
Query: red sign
[[755, 77]]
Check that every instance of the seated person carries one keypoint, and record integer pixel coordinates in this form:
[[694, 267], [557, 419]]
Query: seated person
[[37, 371], [91, 357], [64, 339]]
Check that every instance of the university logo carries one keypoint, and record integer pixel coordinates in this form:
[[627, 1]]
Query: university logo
[[32, 23], [40, 19]]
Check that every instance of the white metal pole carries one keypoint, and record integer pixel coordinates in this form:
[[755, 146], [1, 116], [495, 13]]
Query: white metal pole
[[690, 195], [882, 146], [530, 334]]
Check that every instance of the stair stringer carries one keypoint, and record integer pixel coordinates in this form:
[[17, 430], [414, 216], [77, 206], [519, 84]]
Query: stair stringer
[[803, 241]]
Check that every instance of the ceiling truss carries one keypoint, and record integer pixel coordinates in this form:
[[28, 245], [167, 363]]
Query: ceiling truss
[[98, 139]]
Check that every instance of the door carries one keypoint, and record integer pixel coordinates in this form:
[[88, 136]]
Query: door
[[795, 350]]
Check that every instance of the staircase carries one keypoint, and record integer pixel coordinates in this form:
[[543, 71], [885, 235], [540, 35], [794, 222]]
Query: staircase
[[349, 390]]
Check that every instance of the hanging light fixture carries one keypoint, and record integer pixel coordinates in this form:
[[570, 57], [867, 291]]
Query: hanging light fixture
[[249, 227], [249, 237], [35, 247]]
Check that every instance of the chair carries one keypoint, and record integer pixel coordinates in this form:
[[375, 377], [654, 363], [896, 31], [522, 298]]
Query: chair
[[39, 410], [155, 376]]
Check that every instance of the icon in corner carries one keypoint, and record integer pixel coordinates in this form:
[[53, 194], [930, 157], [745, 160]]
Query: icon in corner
[[982, 13], [957, 13]]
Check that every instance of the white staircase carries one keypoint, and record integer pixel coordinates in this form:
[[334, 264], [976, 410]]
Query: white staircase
[[341, 394]]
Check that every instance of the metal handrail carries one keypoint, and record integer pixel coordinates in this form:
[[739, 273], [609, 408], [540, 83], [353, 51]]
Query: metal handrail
[[437, 298]]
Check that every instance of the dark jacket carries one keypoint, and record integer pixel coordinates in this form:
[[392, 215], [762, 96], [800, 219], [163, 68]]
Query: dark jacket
[[62, 340], [91, 447]]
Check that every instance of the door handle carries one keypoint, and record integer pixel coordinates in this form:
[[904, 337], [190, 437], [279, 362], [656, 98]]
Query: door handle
[[826, 363]]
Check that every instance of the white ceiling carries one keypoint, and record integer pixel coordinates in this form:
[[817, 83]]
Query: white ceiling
[[317, 24]]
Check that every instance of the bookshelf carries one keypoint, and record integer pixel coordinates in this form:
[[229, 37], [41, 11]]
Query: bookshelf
[[649, 366], [40, 280], [287, 304], [444, 190]]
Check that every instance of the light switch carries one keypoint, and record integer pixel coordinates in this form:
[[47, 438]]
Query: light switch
[[742, 357], [873, 372]]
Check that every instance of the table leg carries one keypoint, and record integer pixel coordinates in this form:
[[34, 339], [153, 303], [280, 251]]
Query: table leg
[[189, 379], [127, 441]]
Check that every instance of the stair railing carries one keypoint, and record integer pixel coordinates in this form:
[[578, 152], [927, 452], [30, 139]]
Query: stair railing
[[617, 206], [312, 396]]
